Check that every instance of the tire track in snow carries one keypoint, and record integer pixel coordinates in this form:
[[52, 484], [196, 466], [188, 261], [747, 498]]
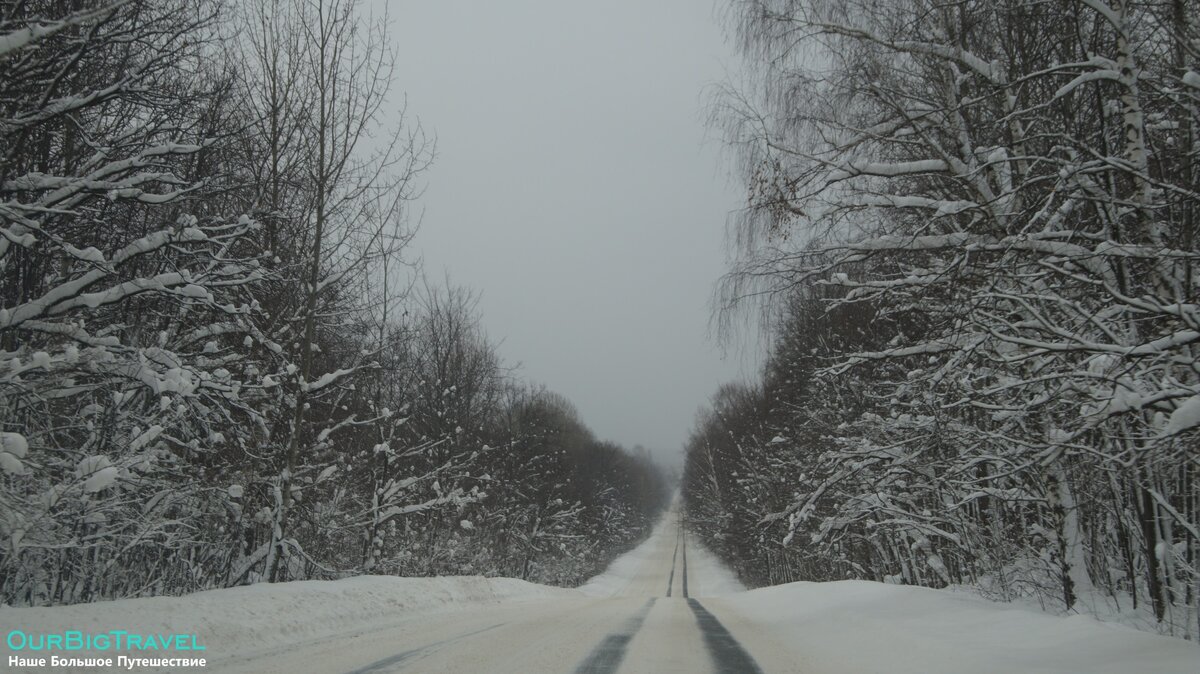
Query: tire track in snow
[[608, 654], [671, 578], [682, 537], [727, 654], [400, 658]]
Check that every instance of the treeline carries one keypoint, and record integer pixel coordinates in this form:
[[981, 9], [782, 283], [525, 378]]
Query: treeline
[[975, 226], [217, 363]]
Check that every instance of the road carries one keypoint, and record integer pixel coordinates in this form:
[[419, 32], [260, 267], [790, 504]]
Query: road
[[659, 621], [668, 606]]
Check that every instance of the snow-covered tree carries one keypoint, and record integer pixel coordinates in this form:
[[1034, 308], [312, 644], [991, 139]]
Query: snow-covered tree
[[1009, 190], [214, 369], [118, 282]]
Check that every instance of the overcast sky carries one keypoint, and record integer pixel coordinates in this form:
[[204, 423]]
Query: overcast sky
[[577, 188]]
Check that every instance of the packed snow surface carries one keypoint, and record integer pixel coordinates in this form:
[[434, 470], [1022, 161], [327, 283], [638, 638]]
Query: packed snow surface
[[860, 626], [244, 620], [650, 610]]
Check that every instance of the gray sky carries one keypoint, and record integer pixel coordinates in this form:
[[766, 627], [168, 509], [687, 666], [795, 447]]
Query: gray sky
[[578, 189]]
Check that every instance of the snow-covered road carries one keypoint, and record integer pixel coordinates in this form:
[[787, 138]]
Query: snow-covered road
[[667, 606], [646, 614]]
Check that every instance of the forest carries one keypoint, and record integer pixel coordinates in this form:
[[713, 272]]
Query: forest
[[220, 360], [970, 236]]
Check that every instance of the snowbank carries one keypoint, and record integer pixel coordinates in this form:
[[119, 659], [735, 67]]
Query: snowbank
[[860, 626], [263, 616], [620, 573], [707, 576]]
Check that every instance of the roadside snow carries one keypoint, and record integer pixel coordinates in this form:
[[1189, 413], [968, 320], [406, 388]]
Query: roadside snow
[[617, 577], [647, 566], [825, 628], [859, 626], [707, 576], [235, 621]]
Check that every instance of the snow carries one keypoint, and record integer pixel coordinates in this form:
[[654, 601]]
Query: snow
[[247, 619], [91, 464], [1090, 76], [10, 464], [707, 576], [101, 479], [194, 291], [15, 444], [18, 39], [939, 206], [828, 628], [89, 254], [1184, 417], [147, 437], [625, 568], [99, 471], [861, 626], [326, 379], [862, 167], [13, 448]]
